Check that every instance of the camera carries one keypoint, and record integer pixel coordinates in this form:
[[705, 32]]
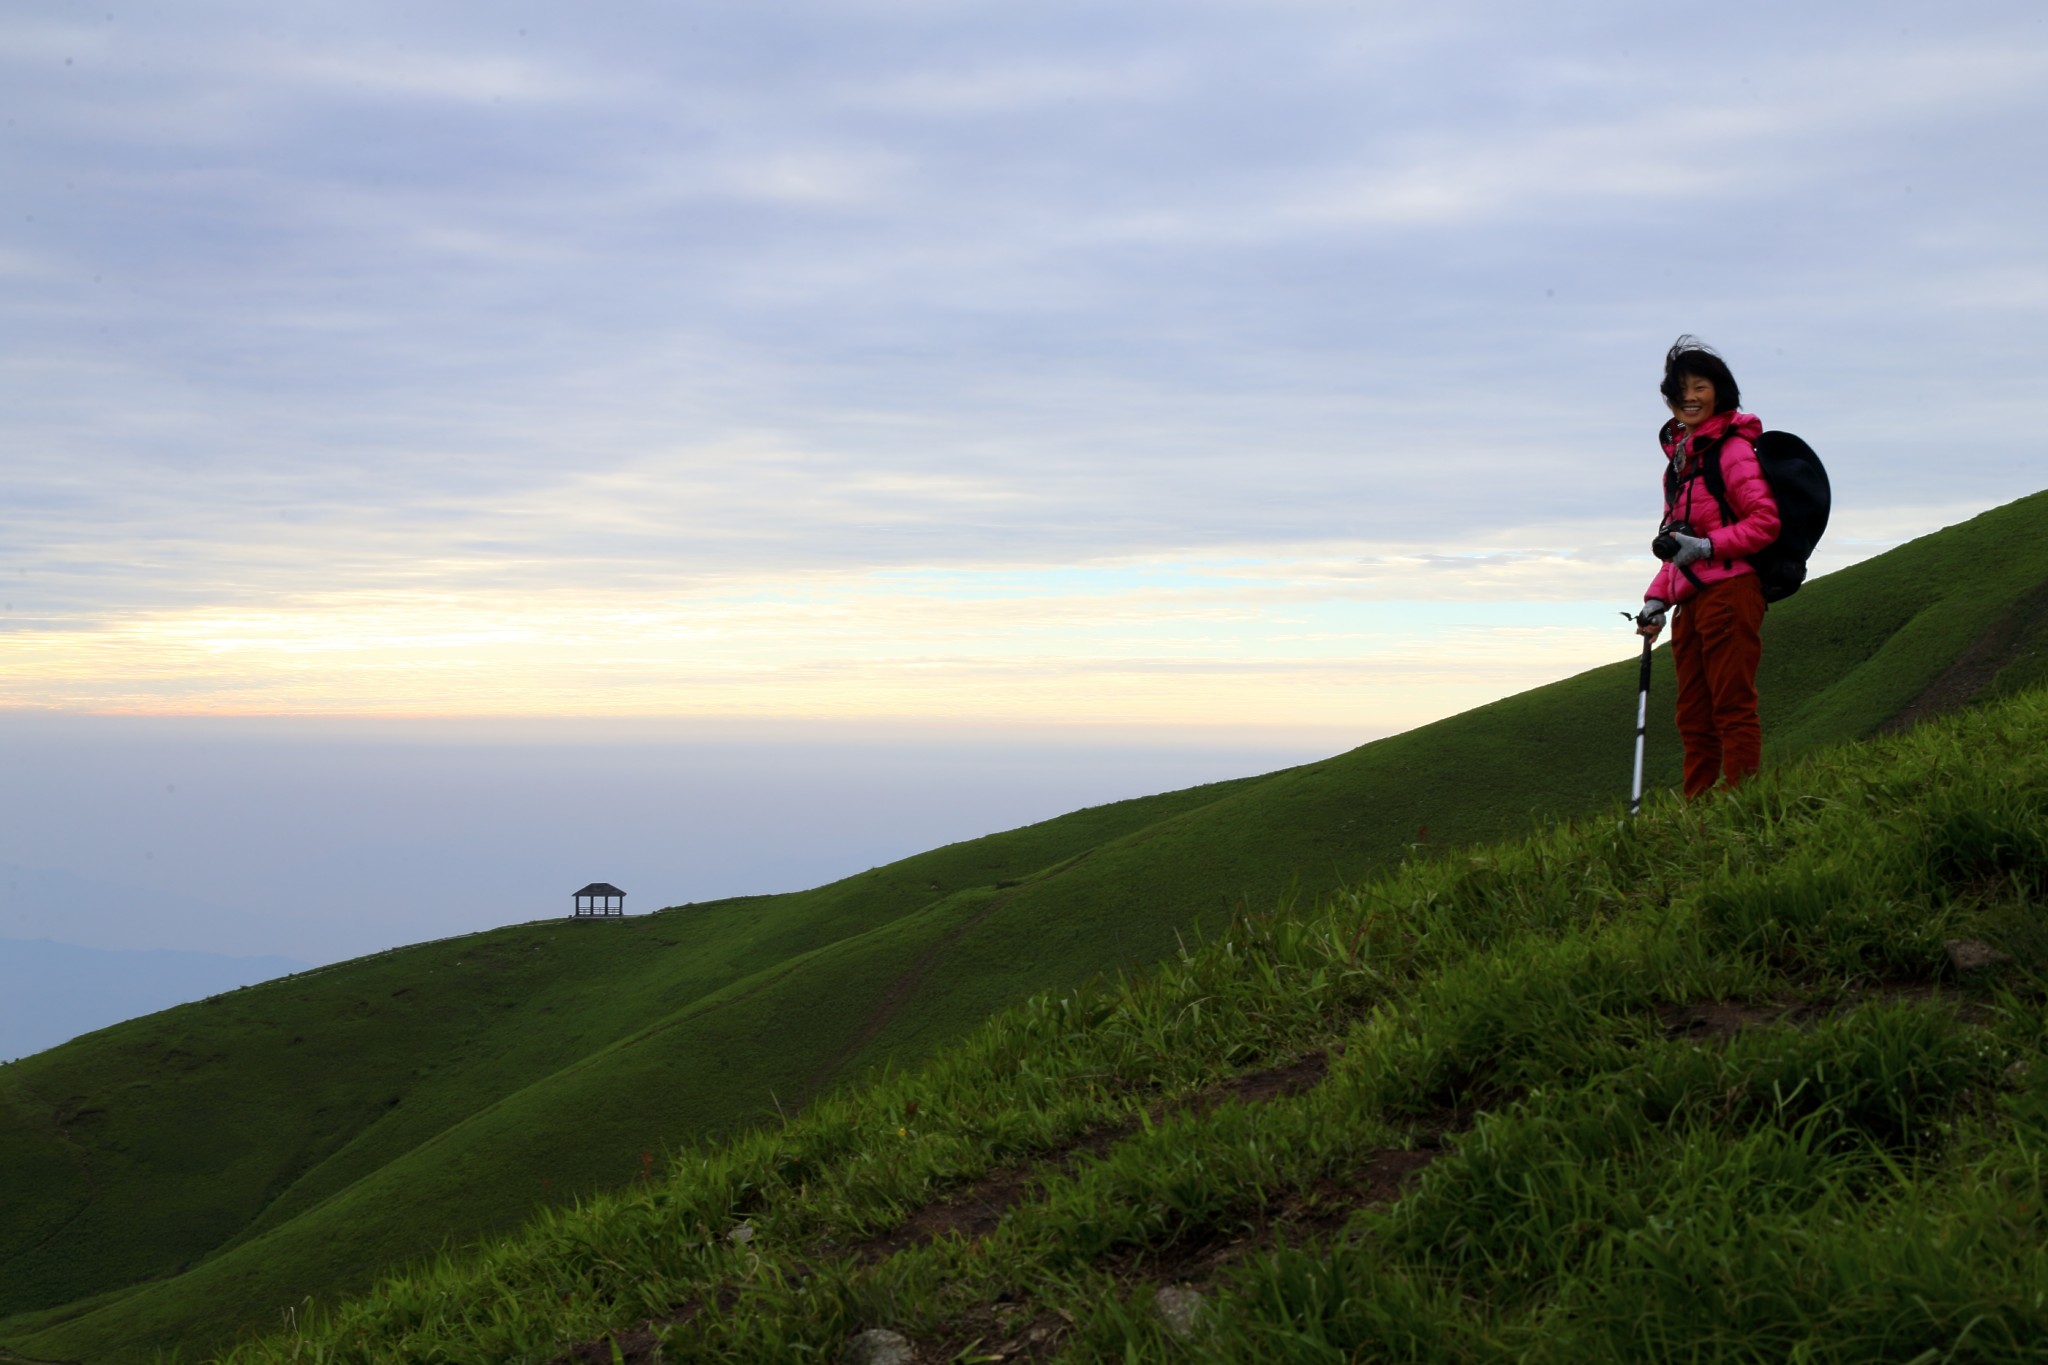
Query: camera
[[1665, 546]]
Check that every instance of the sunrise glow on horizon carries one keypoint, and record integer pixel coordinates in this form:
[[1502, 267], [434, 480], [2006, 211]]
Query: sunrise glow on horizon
[[1326, 640]]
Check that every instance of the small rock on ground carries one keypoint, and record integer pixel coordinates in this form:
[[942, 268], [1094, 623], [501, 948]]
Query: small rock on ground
[[1973, 955], [876, 1346], [1179, 1308]]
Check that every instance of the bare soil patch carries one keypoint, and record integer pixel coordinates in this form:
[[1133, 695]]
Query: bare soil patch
[[638, 1346], [1272, 1083], [1292, 1218], [972, 1212], [1006, 1331], [975, 1209], [1016, 1331], [1725, 1018]]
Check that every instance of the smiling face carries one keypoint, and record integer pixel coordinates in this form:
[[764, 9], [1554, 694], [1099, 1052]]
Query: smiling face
[[1695, 402]]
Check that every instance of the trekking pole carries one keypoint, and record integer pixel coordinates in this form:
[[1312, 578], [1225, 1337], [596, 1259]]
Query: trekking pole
[[1635, 797]]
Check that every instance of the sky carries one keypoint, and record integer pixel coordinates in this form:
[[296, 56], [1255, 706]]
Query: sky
[[1061, 376]]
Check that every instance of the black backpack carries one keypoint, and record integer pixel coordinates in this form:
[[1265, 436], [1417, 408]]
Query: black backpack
[[1799, 485]]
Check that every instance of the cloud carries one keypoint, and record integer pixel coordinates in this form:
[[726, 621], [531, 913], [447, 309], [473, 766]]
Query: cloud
[[379, 73], [1736, 135], [1009, 87], [824, 176], [337, 310]]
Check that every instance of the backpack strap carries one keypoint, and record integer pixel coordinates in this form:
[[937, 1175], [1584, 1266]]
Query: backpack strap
[[1670, 470]]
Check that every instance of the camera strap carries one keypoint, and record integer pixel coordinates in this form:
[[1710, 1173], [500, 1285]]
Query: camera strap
[[1696, 462]]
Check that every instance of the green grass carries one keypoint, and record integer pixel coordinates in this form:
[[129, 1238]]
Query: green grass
[[196, 1170], [332, 1121], [1855, 1173]]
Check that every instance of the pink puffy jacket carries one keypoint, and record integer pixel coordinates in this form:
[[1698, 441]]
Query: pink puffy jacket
[[1756, 512]]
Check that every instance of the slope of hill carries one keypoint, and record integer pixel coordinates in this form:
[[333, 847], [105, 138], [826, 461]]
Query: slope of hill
[[165, 1140], [199, 1169], [1764, 1078], [51, 992]]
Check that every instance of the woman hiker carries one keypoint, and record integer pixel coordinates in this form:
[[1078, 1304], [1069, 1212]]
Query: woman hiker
[[1715, 641]]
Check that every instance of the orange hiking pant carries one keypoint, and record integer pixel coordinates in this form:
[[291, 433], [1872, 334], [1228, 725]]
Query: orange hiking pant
[[1715, 646]]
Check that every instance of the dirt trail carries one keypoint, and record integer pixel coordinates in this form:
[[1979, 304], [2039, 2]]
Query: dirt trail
[[1011, 1330]]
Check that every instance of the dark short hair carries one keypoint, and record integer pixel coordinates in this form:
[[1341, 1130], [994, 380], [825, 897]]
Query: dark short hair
[[1691, 357]]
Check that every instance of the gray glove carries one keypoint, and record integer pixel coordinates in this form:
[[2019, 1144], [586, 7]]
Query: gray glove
[[1652, 615], [1691, 549]]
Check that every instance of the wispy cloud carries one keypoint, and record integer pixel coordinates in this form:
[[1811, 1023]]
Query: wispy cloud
[[379, 327], [1009, 87]]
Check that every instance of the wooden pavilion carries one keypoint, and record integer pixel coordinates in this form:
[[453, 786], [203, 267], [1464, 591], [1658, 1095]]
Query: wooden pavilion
[[600, 900]]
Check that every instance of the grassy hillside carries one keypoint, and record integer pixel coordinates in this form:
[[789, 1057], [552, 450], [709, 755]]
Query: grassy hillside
[[1760, 1079], [198, 1169], [195, 1132]]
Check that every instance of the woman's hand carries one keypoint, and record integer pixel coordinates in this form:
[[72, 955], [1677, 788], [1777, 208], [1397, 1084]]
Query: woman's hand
[[1691, 549], [1650, 622]]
